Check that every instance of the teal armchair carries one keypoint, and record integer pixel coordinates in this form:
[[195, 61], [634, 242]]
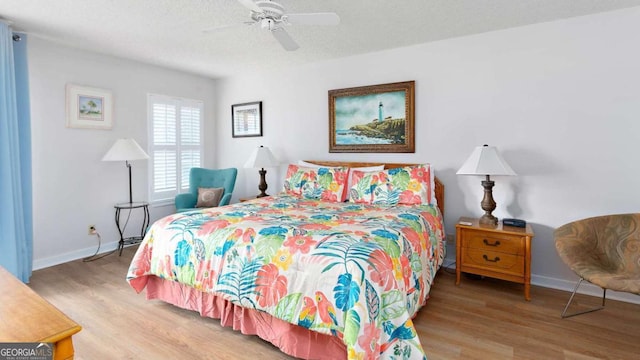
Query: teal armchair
[[209, 178]]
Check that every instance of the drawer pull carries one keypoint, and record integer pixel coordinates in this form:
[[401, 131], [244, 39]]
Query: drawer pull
[[497, 243], [495, 260]]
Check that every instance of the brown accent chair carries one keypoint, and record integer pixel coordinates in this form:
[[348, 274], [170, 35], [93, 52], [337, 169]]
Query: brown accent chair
[[604, 250]]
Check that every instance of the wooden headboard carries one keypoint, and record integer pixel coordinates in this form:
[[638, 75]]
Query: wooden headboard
[[439, 190]]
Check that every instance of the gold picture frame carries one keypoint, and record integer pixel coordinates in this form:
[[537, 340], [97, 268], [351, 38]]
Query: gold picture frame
[[376, 118], [88, 107]]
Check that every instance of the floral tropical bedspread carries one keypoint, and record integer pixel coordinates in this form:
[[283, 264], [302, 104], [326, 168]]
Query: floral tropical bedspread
[[359, 272]]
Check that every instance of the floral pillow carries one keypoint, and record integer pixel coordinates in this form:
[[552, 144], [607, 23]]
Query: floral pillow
[[350, 182], [407, 185], [325, 183], [345, 195]]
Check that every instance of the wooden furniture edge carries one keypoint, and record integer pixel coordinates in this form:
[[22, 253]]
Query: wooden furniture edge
[[526, 233], [34, 310], [62, 335], [439, 190], [498, 228]]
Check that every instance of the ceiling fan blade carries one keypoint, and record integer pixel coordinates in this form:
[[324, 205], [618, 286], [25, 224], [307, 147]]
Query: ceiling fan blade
[[284, 39], [249, 4], [328, 19]]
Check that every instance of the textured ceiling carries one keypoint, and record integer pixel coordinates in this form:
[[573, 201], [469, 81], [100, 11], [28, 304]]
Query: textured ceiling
[[169, 32]]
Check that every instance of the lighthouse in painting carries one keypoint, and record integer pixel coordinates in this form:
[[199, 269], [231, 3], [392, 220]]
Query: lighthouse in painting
[[380, 117]]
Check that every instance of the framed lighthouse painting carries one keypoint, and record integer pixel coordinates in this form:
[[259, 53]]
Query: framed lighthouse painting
[[376, 118]]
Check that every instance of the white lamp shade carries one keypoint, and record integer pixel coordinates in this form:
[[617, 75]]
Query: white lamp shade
[[485, 160], [261, 158], [125, 150]]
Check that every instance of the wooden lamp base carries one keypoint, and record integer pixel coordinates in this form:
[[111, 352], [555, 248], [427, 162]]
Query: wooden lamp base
[[488, 204], [263, 183]]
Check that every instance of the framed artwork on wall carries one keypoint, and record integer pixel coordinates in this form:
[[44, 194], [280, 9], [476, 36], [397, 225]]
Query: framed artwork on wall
[[246, 119], [88, 107], [373, 119]]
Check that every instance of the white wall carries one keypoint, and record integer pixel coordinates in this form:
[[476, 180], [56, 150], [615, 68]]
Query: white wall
[[72, 187], [561, 101]]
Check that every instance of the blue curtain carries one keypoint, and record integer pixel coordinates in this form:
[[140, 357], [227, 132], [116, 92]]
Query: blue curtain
[[16, 228]]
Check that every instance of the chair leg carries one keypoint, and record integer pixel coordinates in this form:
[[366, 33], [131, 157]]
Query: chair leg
[[564, 312]]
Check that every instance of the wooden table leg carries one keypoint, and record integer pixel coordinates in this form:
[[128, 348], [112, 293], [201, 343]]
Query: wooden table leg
[[63, 349]]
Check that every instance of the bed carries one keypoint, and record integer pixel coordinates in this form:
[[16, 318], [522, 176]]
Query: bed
[[317, 276]]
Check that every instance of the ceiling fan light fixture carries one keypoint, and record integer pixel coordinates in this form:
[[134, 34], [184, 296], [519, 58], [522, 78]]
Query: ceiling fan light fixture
[[271, 16], [267, 24]]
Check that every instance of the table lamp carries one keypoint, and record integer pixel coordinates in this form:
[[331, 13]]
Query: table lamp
[[261, 158], [485, 160], [126, 150]]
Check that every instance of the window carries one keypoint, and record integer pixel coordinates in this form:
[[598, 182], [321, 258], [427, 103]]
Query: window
[[175, 146]]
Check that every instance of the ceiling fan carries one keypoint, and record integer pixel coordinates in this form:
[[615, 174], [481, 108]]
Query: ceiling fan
[[271, 16]]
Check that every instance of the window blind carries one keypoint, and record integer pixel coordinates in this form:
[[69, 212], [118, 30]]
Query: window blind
[[175, 127]]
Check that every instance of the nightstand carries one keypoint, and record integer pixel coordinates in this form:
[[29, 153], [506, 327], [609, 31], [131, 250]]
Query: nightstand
[[502, 252]]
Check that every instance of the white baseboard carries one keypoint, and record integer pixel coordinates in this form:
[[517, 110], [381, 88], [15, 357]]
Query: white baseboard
[[585, 288], [567, 285], [71, 256]]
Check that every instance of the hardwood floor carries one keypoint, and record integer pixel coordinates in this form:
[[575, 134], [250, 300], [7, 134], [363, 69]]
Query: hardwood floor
[[480, 319]]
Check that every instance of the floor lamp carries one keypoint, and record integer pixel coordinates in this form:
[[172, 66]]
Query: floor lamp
[[126, 150]]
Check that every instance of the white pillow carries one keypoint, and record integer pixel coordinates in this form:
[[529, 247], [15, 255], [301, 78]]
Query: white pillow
[[308, 164]]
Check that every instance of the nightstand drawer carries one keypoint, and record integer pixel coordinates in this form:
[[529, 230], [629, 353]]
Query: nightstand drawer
[[491, 260], [488, 241]]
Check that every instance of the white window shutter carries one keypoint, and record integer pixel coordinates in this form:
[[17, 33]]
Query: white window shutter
[[190, 120], [164, 124], [189, 159], [176, 146], [164, 171]]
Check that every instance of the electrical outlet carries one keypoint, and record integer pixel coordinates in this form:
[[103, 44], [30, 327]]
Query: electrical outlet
[[92, 230], [449, 240]]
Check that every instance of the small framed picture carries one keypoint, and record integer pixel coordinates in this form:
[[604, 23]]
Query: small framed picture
[[246, 119], [89, 108]]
